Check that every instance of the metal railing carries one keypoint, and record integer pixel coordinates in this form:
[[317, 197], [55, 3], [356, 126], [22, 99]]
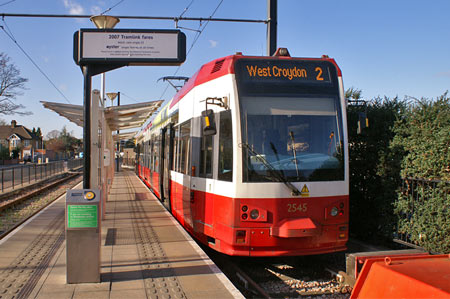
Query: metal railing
[[21, 175], [416, 193]]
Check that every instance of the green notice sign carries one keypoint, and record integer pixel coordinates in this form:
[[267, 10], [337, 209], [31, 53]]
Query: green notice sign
[[81, 216]]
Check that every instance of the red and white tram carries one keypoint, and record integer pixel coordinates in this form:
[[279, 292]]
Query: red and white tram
[[251, 156]]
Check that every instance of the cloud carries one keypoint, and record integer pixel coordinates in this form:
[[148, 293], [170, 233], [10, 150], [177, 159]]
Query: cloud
[[73, 7], [213, 43], [63, 87], [96, 10], [443, 74]]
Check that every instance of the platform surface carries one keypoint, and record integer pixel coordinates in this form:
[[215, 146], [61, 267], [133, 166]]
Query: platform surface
[[144, 254]]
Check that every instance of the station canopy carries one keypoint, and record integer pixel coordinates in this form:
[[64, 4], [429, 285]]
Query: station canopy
[[122, 117]]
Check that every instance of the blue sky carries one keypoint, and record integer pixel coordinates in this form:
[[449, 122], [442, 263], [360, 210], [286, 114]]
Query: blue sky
[[384, 47]]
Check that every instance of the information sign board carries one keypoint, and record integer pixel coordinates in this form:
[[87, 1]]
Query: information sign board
[[129, 46], [81, 216]]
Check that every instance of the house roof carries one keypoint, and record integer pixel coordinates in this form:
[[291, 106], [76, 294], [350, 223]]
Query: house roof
[[21, 131]]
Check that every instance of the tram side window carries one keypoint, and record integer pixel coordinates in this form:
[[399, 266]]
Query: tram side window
[[146, 153], [225, 147], [155, 156], [149, 151], [176, 148], [183, 147], [141, 153]]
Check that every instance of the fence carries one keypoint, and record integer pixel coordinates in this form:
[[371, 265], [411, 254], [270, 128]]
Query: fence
[[12, 177], [419, 198]]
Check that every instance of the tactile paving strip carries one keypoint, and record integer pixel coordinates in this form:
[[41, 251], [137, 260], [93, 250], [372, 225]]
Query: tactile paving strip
[[159, 278], [21, 276]]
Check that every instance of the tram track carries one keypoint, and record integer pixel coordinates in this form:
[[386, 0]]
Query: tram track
[[18, 208], [21, 275], [286, 277]]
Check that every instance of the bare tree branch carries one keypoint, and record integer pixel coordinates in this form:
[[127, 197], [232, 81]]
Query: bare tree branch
[[11, 86]]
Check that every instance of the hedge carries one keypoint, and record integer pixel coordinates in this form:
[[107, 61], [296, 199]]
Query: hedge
[[405, 139]]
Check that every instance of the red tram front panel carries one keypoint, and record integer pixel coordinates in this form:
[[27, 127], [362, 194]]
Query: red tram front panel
[[278, 230]]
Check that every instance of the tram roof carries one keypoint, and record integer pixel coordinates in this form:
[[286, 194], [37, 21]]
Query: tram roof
[[117, 117]]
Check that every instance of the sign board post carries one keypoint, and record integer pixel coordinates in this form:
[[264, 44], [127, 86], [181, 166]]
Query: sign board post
[[83, 235]]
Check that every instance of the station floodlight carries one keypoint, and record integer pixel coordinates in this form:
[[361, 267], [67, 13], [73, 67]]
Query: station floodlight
[[112, 96], [104, 22]]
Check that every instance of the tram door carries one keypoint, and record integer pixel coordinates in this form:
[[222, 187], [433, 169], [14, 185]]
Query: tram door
[[167, 137]]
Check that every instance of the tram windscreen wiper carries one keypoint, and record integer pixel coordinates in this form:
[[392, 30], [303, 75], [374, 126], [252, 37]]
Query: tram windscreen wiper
[[272, 171], [294, 152]]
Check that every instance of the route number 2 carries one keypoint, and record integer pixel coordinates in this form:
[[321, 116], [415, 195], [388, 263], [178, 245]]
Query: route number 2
[[294, 207], [319, 74]]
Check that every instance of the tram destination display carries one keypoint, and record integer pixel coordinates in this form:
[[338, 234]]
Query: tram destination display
[[294, 71], [259, 76]]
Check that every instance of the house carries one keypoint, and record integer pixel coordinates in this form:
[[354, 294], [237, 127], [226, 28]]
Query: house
[[16, 136]]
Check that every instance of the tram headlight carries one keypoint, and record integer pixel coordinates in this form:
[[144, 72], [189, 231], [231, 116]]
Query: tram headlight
[[334, 211], [244, 209], [254, 214]]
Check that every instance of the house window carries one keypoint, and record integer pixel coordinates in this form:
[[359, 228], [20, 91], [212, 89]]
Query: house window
[[15, 142], [26, 143]]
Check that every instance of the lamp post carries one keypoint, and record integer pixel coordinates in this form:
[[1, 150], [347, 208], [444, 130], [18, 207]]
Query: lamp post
[[112, 96]]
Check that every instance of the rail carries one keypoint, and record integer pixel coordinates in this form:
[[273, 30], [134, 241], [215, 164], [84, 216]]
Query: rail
[[27, 174], [417, 193]]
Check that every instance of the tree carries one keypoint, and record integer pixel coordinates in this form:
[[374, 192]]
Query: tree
[[11, 84], [53, 134], [62, 141], [353, 93], [4, 153]]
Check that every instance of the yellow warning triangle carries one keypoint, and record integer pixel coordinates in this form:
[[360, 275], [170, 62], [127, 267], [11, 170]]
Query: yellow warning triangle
[[305, 189]]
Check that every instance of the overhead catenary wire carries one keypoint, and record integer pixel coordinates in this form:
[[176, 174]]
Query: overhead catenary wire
[[10, 35], [131, 98], [112, 7], [21, 15], [197, 36], [186, 9], [7, 2]]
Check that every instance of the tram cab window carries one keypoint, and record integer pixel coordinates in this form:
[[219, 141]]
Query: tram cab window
[[225, 169], [206, 156], [299, 137]]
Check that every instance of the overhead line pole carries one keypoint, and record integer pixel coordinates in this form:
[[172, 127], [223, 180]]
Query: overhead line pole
[[135, 17], [272, 22]]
